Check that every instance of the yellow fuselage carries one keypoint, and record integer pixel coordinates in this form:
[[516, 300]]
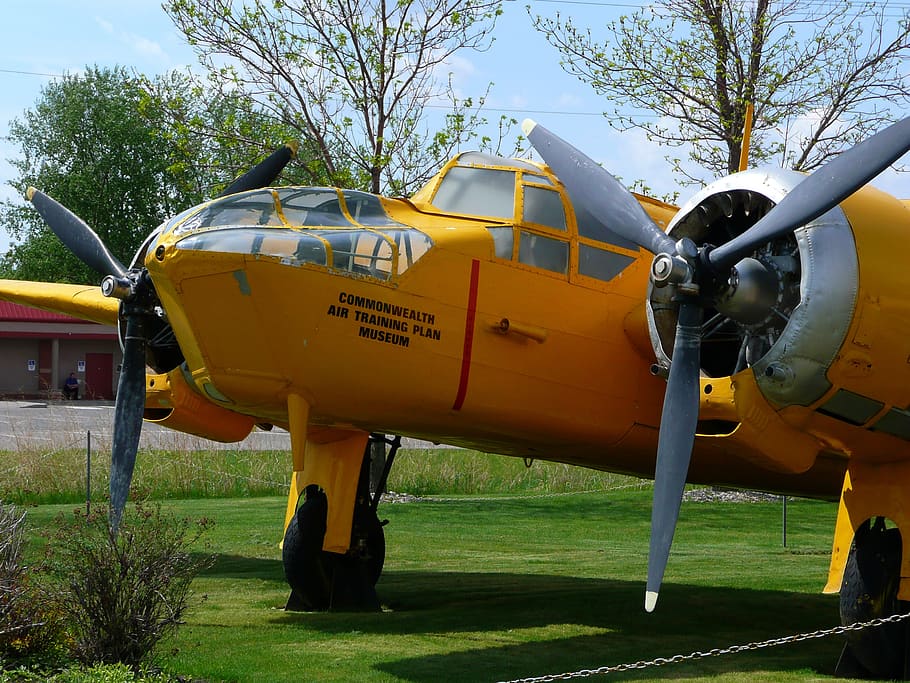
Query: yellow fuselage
[[465, 347]]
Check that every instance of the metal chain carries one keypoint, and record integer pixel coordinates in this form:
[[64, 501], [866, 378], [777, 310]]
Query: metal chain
[[643, 484], [675, 659]]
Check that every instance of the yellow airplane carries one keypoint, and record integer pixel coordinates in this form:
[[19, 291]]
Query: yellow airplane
[[755, 337]]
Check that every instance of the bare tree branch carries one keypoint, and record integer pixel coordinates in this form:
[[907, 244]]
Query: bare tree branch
[[354, 77], [821, 76]]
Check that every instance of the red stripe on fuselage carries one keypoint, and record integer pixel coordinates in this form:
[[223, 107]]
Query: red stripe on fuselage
[[468, 336]]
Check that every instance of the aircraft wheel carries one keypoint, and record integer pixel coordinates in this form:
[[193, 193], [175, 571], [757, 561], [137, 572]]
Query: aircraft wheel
[[307, 572], [869, 591], [321, 580]]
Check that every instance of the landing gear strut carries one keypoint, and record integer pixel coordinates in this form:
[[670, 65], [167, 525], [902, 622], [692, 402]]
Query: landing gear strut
[[869, 591], [322, 580]]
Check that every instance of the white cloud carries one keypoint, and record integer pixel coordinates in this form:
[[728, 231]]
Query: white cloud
[[461, 68], [146, 47], [518, 101], [140, 48], [105, 25], [569, 100]]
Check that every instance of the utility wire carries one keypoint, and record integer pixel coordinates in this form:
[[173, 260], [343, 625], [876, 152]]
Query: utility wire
[[898, 4], [29, 73]]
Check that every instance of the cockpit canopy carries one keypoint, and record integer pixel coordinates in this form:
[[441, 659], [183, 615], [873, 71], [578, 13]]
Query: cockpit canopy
[[474, 187], [514, 190], [531, 220], [341, 229]]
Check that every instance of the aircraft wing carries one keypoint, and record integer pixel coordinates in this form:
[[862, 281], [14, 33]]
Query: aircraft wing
[[80, 301]]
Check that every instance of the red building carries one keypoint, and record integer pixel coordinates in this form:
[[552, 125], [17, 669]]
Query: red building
[[39, 349]]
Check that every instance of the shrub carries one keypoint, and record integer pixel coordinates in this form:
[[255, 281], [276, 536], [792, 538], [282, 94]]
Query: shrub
[[125, 592], [29, 625], [97, 673], [109, 673], [13, 621]]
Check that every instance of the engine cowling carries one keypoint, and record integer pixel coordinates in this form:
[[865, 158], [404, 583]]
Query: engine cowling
[[171, 402], [826, 325]]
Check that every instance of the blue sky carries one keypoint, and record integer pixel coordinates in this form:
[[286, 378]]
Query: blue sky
[[46, 37]]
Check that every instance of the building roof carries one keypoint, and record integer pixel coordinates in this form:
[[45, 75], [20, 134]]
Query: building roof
[[10, 312]]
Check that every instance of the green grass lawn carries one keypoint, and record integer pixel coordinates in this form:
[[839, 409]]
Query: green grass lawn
[[496, 588]]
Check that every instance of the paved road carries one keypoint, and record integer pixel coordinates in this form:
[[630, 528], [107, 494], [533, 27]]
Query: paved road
[[48, 425]]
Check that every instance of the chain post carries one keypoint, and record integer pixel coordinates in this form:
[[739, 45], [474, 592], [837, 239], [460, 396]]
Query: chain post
[[88, 472], [783, 520]]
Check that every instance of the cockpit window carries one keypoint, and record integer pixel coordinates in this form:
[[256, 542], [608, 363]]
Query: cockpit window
[[249, 209], [543, 207], [287, 207], [477, 192], [544, 252], [304, 225], [539, 179], [484, 159], [313, 206], [367, 209], [371, 253]]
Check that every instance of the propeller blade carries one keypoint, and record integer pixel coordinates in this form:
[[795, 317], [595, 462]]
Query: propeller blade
[[819, 192], [597, 190], [264, 173], [128, 412], [75, 234], [674, 450]]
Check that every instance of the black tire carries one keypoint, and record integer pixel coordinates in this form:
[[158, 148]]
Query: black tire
[[307, 571], [869, 591], [321, 580]]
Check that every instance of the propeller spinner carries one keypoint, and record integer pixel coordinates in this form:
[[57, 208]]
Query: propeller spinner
[[703, 277], [138, 299]]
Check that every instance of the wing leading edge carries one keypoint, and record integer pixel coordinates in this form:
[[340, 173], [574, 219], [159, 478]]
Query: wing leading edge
[[80, 301]]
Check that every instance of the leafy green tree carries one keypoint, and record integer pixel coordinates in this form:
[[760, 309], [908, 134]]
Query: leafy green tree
[[821, 75], [86, 144], [211, 137], [354, 78], [124, 153]]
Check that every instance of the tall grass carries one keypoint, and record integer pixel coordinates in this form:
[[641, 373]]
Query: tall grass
[[35, 476], [426, 472], [30, 477]]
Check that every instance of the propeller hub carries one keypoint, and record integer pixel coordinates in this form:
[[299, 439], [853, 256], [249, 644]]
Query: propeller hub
[[751, 292], [116, 287], [667, 269]]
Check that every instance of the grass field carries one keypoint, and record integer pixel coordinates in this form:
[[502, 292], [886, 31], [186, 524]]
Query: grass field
[[487, 588], [34, 476]]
